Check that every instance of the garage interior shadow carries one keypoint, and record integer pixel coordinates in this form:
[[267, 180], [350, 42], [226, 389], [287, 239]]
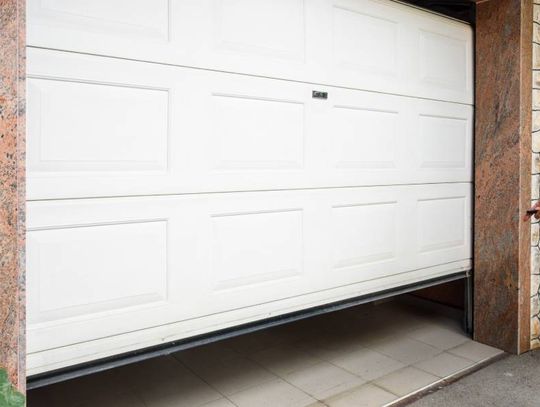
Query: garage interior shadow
[[382, 352]]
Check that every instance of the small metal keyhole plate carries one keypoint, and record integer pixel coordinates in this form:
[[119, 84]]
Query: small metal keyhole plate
[[317, 94]]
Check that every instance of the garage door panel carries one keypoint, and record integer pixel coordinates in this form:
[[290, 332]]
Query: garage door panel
[[103, 127], [190, 256], [364, 238], [365, 135], [253, 132], [354, 30], [321, 41], [91, 127], [443, 225], [131, 19], [255, 247], [444, 69], [358, 60], [82, 269], [444, 138], [248, 27]]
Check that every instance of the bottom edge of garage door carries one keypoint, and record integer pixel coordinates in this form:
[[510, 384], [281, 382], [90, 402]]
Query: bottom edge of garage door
[[45, 361]]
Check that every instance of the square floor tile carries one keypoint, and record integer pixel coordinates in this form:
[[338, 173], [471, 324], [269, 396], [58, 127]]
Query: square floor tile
[[323, 380], [367, 395], [272, 394], [405, 350], [475, 351], [283, 360], [232, 375], [165, 382], [367, 363], [439, 336], [170, 392], [406, 381], [444, 365], [219, 403], [141, 374]]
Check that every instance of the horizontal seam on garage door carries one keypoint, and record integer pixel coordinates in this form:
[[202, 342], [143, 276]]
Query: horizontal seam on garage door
[[247, 191], [250, 75]]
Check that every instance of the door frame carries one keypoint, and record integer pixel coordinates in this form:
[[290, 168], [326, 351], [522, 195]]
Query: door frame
[[503, 89]]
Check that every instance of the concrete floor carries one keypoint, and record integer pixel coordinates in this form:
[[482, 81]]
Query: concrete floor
[[513, 381]]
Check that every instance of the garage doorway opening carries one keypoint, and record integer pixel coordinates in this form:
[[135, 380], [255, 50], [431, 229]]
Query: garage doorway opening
[[234, 191]]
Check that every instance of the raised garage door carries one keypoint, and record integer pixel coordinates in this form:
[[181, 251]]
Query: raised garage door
[[182, 178]]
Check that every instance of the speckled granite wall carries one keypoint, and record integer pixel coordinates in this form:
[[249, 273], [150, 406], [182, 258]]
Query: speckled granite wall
[[502, 173], [535, 184], [12, 186]]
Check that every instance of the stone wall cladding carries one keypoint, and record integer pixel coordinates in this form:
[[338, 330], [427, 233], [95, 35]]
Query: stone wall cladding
[[535, 186]]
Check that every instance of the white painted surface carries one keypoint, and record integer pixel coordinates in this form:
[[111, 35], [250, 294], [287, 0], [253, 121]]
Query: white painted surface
[[363, 44], [169, 198], [104, 267], [105, 127]]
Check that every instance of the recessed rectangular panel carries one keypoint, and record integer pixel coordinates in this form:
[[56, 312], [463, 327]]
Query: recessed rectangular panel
[[370, 45], [364, 42], [133, 18], [364, 138], [443, 61], [441, 223], [86, 269], [250, 248], [363, 233], [250, 27], [443, 142], [256, 133], [78, 126]]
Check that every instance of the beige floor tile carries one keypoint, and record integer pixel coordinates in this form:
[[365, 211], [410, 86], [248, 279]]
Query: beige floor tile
[[367, 395], [219, 403], [232, 375], [371, 330], [169, 392], [475, 351], [406, 381], [439, 336], [367, 363], [444, 365], [283, 360], [405, 350], [154, 370], [272, 394], [165, 382], [323, 380], [328, 347], [453, 324]]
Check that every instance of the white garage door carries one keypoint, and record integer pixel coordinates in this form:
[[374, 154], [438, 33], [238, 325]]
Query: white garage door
[[183, 178]]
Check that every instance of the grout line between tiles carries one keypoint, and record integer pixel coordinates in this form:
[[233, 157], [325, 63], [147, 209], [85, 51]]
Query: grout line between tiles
[[204, 380], [418, 394], [249, 357]]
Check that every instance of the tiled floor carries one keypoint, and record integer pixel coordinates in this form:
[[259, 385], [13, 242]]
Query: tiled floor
[[370, 355]]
